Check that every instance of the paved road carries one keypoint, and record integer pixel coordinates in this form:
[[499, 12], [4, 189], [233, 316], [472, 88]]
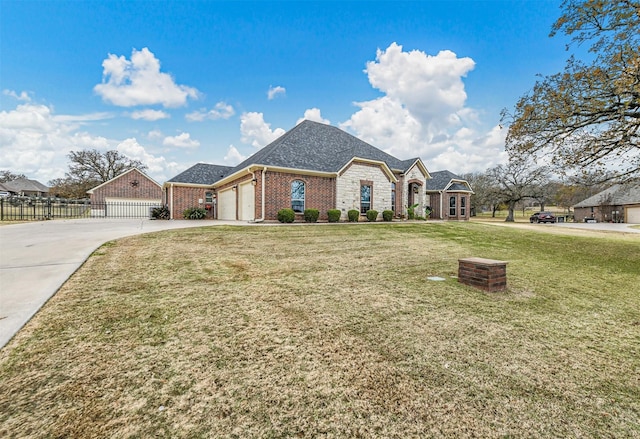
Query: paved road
[[36, 258]]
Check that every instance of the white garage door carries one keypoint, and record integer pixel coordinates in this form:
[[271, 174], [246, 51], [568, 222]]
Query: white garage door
[[247, 202], [633, 215], [227, 205], [129, 207]]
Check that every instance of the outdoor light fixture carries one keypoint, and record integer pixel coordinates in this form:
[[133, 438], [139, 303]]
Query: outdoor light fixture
[[254, 181]]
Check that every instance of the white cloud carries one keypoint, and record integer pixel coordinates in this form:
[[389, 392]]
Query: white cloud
[[155, 135], [35, 141], [233, 156], [314, 115], [182, 140], [275, 91], [23, 96], [158, 168], [139, 82], [221, 111], [149, 115], [256, 132], [423, 112]]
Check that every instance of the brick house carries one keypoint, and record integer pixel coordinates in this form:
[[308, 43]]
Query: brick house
[[131, 194], [25, 187], [619, 203], [449, 196], [313, 165]]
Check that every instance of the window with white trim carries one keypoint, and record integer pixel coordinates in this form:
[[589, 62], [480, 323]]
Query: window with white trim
[[463, 206], [452, 206]]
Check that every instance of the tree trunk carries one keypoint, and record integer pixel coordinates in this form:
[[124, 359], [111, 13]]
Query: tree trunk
[[510, 215]]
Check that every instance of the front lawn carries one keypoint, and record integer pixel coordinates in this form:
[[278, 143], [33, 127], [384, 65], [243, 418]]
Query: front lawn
[[334, 331]]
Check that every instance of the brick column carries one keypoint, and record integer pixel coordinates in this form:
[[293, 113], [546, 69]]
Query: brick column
[[486, 274]]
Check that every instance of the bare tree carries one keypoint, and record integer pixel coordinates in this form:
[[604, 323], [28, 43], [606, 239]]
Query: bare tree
[[6, 176], [88, 169], [588, 116], [517, 180]]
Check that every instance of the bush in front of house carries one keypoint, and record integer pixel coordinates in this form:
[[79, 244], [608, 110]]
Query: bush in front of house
[[334, 215], [372, 215], [161, 213], [286, 215], [311, 215], [353, 215], [194, 213], [387, 215]]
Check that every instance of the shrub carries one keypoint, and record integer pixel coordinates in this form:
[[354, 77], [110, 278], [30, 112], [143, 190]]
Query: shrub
[[372, 215], [411, 211], [286, 215], [387, 215], [161, 213], [353, 215], [194, 213], [334, 215], [311, 215]]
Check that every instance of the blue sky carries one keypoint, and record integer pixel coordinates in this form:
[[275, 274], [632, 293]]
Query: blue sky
[[177, 83]]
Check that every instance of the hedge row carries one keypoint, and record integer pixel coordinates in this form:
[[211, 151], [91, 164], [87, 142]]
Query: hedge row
[[311, 215]]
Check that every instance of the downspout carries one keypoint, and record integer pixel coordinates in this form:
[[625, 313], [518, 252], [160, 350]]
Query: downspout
[[441, 204], [262, 195], [171, 201]]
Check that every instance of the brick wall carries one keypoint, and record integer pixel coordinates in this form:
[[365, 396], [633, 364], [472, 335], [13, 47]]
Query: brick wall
[[319, 194], [131, 185], [185, 197], [485, 274], [440, 206]]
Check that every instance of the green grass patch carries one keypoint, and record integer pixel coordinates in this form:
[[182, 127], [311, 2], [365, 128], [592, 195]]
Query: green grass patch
[[334, 331]]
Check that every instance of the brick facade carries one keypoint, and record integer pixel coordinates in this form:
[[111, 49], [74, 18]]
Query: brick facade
[[185, 197], [485, 274], [130, 185], [320, 193]]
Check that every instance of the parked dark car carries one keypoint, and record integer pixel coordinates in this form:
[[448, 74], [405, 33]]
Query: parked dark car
[[542, 217]]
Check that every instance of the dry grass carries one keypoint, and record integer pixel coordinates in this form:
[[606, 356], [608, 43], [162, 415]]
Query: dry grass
[[333, 332]]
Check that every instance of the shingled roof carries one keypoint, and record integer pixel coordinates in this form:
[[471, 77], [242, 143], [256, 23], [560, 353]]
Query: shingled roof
[[25, 185], [616, 195], [318, 147], [202, 173], [440, 181]]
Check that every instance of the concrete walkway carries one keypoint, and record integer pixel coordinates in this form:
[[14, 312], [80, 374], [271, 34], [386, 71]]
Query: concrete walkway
[[36, 258]]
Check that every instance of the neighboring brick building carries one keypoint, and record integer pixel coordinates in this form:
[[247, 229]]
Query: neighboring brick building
[[311, 166], [449, 196], [619, 203], [130, 195]]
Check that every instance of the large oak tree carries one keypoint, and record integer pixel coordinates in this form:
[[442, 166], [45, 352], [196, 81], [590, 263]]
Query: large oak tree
[[587, 118], [89, 168]]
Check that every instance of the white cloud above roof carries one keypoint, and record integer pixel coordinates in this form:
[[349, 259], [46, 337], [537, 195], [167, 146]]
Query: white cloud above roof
[[423, 111], [221, 110], [139, 81], [233, 156], [255, 131], [182, 140], [314, 115], [275, 91]]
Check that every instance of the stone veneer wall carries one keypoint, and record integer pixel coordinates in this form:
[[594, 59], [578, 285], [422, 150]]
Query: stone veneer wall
[[348, 188]]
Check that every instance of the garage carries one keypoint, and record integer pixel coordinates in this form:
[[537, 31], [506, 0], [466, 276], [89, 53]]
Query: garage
[[632, 215], [227, 205], [129, 207], [246, 202]]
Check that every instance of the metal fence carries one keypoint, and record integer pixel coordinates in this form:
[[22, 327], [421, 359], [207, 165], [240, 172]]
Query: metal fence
[[35, 209]]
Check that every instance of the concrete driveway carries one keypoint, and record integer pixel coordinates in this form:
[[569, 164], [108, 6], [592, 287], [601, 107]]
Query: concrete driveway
[[36, 258]]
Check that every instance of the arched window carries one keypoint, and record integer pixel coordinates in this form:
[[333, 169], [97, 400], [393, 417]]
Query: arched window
[[452, 206], [297, 196]]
